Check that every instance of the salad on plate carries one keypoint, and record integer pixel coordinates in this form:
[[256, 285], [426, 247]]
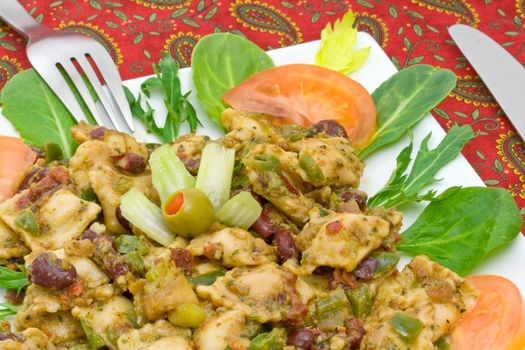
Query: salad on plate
[[259, 239]]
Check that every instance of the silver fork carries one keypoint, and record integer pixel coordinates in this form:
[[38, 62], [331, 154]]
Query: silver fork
[[53, 53]]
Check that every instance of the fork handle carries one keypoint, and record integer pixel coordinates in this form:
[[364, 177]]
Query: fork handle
[[12, 12]]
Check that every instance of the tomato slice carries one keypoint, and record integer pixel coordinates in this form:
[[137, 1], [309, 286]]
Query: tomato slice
[[17, 158], [303, 94], [493, 323]]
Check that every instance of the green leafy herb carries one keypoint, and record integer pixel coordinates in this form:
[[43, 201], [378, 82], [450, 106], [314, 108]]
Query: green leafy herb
[[145, 116], [402, 187], [180, 110], [221, 61], [461, 229], [404, 99], [10, 279], [27, 100], [337, 46], [7, 310]]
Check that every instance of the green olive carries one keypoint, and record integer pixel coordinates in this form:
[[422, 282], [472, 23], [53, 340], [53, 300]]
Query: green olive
[[188, 212]]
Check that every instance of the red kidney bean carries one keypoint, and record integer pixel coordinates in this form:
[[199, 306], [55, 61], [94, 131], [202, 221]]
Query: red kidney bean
[[264, 226], [351, 194], [286, 248], [301, 338], [122, 220], [106, 255], [366, 268], [354, 333], [34, 176], [192, 165], [89, 234], [329, 127], [56, 176], [129, 162], [97, 133], [51, 272], [182, 258]]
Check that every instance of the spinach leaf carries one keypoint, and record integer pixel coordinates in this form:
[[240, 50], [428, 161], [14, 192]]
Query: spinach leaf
[[221, 61], [464, 227], [402, 188], [179, 108], [404, 99], [28, 102]]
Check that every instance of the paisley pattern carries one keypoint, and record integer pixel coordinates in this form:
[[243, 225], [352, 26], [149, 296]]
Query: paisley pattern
[[180, 46], [410, 31], [8, 67], [472, 90], [267, 19], [163, 4], [458, 8], [96, 33], [374, 26], [511, 149]]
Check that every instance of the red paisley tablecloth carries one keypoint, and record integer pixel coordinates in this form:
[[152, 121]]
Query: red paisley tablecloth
[[410, 31]]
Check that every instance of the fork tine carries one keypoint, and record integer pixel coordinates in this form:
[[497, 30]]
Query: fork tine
[[109, 72], [54, 79], [102, 95], [80, 85]]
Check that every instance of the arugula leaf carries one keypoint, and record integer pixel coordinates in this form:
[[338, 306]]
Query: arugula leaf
[[221, 61], [460, 230], [402, 188], [145, 116], [28, 101], [179, 108], [337, 46], [404, 99], [10, 279], [7, 310]]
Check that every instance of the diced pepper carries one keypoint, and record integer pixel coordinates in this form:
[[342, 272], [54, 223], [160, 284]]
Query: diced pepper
[[129, 243], [135, 261], [89, 195], [26, 221], [52, 152], [195, 216], [387, 261], [208, 278], [264, 162], [312, 170], [361, 300], [274, 340], [336, 300], [406, 326], [95, 341], [187, 315], [443, 343]]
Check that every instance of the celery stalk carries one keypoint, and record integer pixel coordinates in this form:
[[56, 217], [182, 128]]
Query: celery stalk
[[215, 173], [240, 211], [168, 172], [145, 216]]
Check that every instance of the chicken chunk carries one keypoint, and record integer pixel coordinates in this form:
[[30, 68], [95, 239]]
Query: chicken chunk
[[328, 161], [53, 220], [223, 330], [29, 339], [10, 244], [266, 293], [339, 240], [189, 150], [425, 290], [232, 247], [160, 335], [108, 320]]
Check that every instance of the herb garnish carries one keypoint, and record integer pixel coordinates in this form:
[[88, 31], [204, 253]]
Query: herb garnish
[[10, 279]]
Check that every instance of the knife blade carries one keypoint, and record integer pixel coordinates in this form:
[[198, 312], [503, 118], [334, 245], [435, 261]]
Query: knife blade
[[503, 75]]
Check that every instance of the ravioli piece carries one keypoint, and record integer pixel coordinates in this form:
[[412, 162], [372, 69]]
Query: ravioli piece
[[425, 290], [107, 320], [335, 159], [52, 221], [267, 293], [339, 240], [223, 330], [110, 186], [10, 244], [89, 155], [160, 335], [232, 247]]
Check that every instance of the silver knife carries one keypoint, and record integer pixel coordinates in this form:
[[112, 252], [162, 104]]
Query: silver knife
[[499, 70]]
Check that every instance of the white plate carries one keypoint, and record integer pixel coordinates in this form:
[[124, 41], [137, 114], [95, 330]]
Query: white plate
[[506, 262]]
